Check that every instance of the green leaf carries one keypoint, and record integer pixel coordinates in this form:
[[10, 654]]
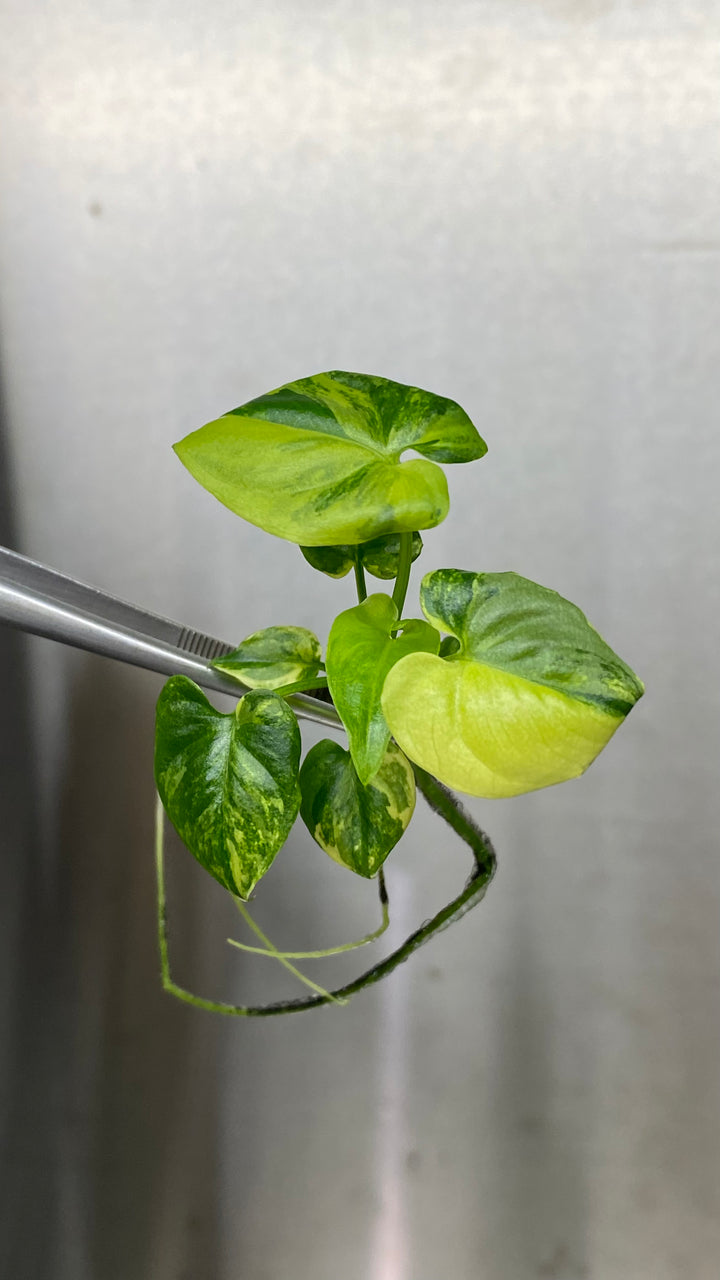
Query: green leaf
[[356, 825], [336, 562], [229, 783], [318, 461], [361, 650], [529, 698], [273, 658], [380, 556], [448, 646]]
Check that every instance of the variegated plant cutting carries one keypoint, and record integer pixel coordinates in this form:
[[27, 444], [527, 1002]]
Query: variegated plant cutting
[[502, 687]]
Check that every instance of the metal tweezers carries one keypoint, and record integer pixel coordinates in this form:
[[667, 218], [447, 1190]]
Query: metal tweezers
[[47, 603]]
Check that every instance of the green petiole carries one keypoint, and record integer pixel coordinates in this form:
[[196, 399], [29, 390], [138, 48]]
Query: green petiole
[[328, 951], [359, 575], [440, 799], [280, 955], [403, 574], [303, 686]]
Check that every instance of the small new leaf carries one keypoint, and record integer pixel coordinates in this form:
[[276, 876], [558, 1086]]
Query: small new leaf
[[229, 783], [356, 825], [318, 461], [380, 557], [273, 658], [336, 562], [528, 696], [361, 651]]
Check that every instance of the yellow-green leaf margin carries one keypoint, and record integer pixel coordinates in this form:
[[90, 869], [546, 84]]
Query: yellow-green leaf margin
[[529, 697]]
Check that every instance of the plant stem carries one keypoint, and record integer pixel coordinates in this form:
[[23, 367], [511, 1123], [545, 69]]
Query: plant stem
[[303, 686], [359, 575], [442, 800], [403, 573], [213, 1006], [187, 996], [444, 803], [328, 951], [278, 955]]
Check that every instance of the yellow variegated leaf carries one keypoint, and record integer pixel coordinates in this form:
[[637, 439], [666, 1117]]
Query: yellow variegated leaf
[[318, 461], [229, 783], [356, 825], [273, 658], [527, 698]]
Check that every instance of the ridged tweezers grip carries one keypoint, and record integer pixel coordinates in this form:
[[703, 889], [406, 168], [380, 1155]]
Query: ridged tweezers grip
[[200, 645]]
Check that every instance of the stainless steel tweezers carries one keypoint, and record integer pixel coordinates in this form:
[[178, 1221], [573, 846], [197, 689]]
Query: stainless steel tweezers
[[47, 603]]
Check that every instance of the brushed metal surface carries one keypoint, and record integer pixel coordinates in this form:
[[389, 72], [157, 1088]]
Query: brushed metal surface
[[515, 204], [43, 602]]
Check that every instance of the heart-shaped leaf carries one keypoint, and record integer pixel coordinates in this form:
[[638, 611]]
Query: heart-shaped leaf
[[318, 461], [273, 658], [361, 651], [229, 783], [379, 557], [356, 825], [528, 698]]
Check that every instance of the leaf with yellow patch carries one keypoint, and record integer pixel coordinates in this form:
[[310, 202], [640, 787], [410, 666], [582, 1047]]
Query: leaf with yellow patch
[[229, 783], [526, 697], [318, 461], [273, 658], [356, 825]]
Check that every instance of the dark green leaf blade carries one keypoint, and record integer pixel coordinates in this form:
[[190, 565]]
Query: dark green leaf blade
[[318, 461], [368, 409], [272, 658], [336, 562], [361, 651], [379, 557], [356, 825], [229, 783]]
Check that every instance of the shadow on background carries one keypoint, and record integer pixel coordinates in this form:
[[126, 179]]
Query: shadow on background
[[141, 1129], [109, 1115], [28, 951]]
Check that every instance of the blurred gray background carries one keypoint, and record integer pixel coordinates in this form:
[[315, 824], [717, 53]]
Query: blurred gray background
[[516, 204]]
